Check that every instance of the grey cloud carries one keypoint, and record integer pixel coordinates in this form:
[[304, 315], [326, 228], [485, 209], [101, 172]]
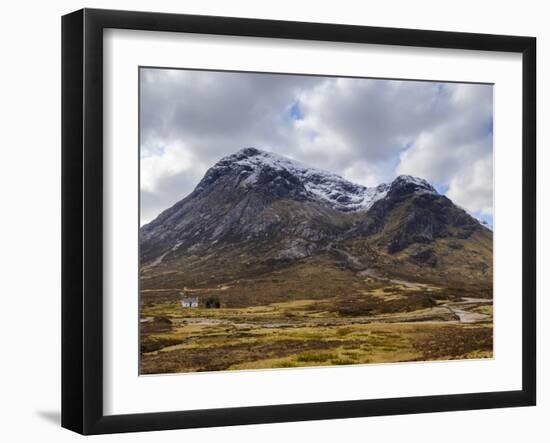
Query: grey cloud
[[366, 130], [174, 188], [212, 108]]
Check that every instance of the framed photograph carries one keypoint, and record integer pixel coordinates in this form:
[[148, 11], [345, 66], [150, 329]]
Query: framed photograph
[[268, 221]]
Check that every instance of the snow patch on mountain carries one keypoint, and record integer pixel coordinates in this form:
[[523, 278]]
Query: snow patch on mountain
[[321, 185], [418, 184]]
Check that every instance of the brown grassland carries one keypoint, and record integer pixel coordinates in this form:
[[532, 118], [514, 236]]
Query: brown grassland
[[327, 316]]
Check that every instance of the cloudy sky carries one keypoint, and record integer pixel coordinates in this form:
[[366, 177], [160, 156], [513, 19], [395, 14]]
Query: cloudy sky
[[366, 130]]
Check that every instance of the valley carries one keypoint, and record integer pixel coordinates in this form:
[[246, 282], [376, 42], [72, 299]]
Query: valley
[[271, 264], [386, 321]]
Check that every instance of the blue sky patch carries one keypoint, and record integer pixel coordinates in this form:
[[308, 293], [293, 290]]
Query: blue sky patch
[[442, 189], [295, 112], [487, 218]]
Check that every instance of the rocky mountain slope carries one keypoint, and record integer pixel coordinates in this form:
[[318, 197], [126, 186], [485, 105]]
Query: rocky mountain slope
[[255, 212]]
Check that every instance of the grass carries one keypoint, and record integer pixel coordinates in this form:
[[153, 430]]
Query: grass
[[484, 309], [204, 348], [377, 322], [317, 357]]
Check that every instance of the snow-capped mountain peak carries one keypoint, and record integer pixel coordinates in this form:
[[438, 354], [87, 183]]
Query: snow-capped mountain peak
[[278, 209], [319, 185], [414, 183]]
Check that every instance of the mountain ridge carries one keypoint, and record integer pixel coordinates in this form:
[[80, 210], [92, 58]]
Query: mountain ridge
[[254, 211]]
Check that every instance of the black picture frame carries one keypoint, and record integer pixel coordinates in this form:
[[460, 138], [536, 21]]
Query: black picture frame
[[82, 218]]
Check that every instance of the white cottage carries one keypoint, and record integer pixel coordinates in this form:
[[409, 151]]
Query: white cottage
[[190, 302]]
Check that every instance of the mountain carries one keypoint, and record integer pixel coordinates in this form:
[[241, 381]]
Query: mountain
[[261, 198], [255, 213]]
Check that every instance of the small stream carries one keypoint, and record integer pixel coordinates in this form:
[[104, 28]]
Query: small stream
[[464, 315], [467, 316]]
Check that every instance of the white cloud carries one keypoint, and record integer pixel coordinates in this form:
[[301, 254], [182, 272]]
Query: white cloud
[[473, 189], [174, 159], [457, 152], [166, 177]]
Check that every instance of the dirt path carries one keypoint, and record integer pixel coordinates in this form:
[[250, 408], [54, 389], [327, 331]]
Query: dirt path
[[437, 314], [373, 274], [349, 257], [186, 289], [407, 284]]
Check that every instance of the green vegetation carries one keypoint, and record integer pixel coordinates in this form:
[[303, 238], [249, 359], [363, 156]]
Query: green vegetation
[[212, 302]]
